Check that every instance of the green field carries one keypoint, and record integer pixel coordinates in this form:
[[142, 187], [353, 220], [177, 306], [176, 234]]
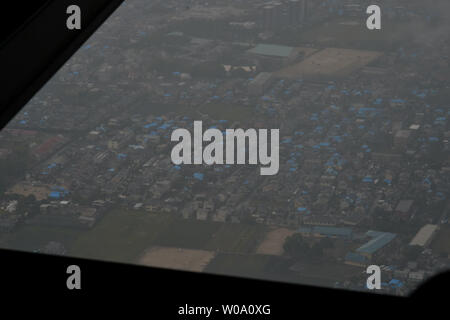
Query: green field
[[190, 234], [240, 265], [278, 269], [252, 266], [123, 236], [237, 238], [31, 238]]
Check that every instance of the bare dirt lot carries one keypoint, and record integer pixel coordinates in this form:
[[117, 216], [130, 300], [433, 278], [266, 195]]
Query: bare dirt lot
[[330, 62], [24, 189], [273, 243], [176, 258]]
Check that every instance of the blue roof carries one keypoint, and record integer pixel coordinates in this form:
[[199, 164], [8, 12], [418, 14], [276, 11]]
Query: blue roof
[[395, 283], [55, 194], [199, 176], [355, 257], [333, 231], [328, 231], [380, 239], [153, 124]]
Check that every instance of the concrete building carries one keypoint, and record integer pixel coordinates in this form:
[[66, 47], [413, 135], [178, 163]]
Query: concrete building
[[378, 241], [424, 235], [294, 12], [304, 10], [267, 18], [356, 259], [329, 232]]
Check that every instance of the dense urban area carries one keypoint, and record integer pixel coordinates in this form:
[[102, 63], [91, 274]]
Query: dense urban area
[[364, 156]]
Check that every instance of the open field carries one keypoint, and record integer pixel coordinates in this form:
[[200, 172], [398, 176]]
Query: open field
[[176, 258], [305, 51], [216, 236], [273, 243], [243, 265], [352, 33], [32, 237], [258, 266], [330, 62], [187, 234], [123, 236], [237, 238], [325, 273], [24, 189]]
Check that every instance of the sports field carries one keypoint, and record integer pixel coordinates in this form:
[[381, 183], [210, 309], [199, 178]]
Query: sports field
[[273, 242], [176, 258], [330, 62], [124, 235]]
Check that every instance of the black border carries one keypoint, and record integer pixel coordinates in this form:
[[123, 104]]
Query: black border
[[36, 50], [28, 59], [162, 291]]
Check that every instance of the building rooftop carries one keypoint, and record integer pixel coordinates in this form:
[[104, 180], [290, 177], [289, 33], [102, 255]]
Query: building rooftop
[[355, 258], [424, 235], [327, 231], [379, 240], [333, 231]]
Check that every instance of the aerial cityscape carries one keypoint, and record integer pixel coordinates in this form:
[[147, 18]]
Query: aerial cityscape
[[363, 119]]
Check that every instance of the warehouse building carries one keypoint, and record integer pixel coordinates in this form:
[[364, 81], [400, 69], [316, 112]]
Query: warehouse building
[[378, 241], [329, 232], [424, 235], [356, 259]]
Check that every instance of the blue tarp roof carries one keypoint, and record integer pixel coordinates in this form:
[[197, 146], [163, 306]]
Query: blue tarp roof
[[380, 239], [333, 231], [153, 124], [55, 194], [199, 176]]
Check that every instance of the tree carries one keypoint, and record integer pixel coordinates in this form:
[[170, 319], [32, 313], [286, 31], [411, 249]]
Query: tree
[[326, 243], [296, 246]]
